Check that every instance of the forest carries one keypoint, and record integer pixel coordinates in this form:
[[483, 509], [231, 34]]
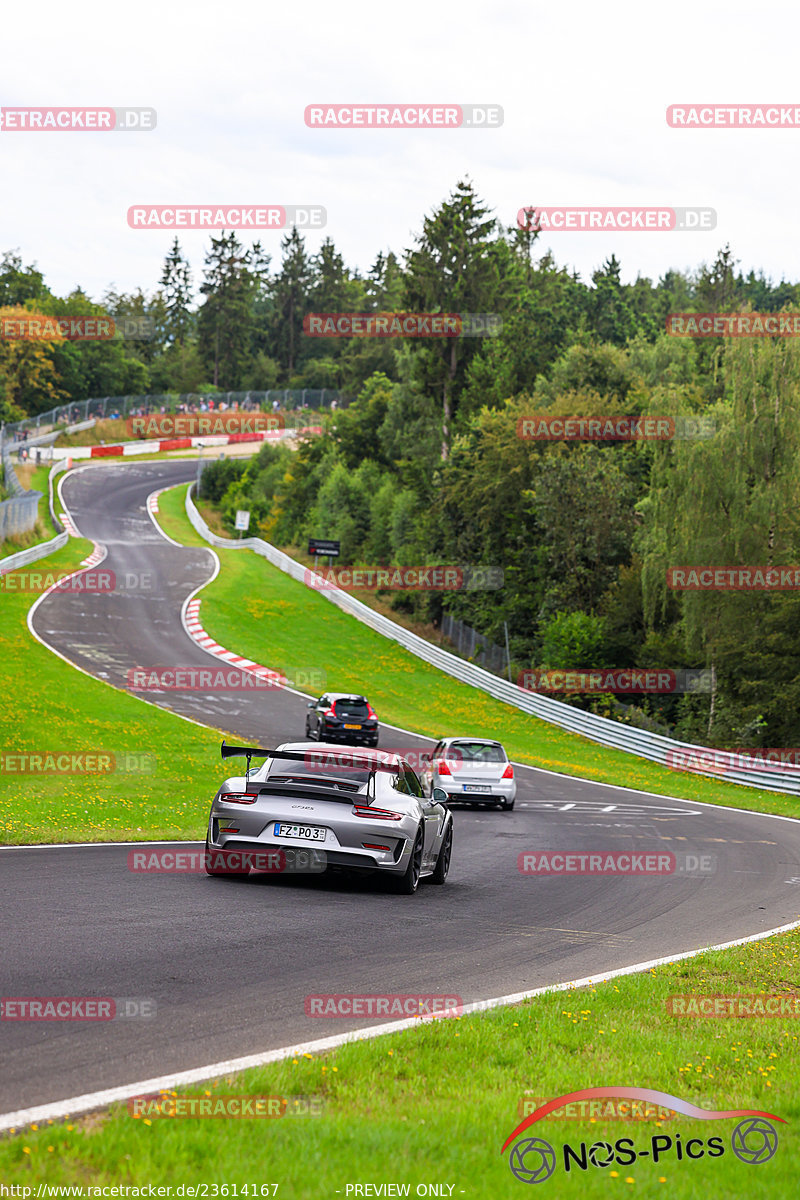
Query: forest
[[426, 464]]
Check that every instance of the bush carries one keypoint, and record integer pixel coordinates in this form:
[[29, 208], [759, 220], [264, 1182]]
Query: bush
[[217, 477]]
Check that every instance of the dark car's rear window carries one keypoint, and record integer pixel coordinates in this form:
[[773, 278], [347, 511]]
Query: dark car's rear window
[[351, 708]]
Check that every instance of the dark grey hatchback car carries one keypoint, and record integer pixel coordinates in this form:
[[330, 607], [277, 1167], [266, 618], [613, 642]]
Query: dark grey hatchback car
[[342, 717]]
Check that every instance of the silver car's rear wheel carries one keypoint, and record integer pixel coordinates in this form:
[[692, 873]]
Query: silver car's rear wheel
[[408, 882], [445, 854], [216, 862]]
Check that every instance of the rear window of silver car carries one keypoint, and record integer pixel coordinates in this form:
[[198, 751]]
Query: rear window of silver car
[[479, 752]]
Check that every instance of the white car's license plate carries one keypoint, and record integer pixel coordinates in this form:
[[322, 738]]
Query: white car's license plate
[[476, 787], [352, 726], [309, 833]]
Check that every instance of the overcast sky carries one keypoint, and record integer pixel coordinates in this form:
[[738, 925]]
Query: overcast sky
[[584, 88]]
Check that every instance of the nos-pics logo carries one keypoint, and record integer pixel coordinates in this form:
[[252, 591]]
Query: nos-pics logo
[[754, 1140]]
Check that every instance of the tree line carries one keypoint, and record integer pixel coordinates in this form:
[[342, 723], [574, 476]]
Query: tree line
[[427, 465]]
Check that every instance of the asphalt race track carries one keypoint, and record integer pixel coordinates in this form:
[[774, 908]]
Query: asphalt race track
[[229, 962]]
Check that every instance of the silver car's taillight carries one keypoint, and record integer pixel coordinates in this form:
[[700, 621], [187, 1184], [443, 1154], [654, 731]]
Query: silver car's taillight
[[380, 814], [239, 797]]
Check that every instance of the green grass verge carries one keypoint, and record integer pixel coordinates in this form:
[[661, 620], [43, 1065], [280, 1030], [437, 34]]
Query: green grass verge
[[435, 1104], [257, 611], [61, 710]]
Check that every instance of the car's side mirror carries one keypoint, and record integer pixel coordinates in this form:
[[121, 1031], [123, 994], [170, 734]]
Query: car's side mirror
[[311, 704], [440, 796]]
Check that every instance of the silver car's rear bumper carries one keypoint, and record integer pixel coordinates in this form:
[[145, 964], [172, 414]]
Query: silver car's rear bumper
[[503, 790], [307, 859]]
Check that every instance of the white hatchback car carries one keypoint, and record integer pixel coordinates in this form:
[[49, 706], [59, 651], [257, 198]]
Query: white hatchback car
[[472, 770]]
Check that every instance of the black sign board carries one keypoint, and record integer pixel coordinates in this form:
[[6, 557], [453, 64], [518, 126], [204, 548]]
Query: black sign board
[[318, 546]]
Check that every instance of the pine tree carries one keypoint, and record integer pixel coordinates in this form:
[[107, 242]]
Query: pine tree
[[454, 269], [290, 296], [176, 284]]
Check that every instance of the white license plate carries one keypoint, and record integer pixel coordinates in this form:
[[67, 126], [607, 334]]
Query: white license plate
[[352, 726], [309, 833], [477, 787]]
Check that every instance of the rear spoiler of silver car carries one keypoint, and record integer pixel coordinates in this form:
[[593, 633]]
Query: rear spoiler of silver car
[[353, 761]]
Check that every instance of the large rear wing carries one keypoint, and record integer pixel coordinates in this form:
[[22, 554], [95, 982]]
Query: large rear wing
[[354, 761]]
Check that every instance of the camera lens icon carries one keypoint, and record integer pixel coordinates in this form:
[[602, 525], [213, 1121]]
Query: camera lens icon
[[532, 1161], [601, 1154], [754, 1141]]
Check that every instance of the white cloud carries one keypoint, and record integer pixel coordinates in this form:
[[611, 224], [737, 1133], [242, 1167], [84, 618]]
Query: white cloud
[[584, 88]]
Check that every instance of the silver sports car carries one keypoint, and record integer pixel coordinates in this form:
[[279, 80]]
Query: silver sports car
[[312, 806]]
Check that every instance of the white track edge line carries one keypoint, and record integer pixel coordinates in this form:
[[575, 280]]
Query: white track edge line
[[93, 1100], [86, 845]]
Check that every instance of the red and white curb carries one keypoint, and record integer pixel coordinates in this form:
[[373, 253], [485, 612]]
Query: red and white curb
[[97, 556], [198, 634], [164, 445]]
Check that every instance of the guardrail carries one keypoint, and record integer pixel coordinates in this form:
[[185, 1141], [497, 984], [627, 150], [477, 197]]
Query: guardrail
[[639, 742], [10, 479], [18, 513], [25, 557]]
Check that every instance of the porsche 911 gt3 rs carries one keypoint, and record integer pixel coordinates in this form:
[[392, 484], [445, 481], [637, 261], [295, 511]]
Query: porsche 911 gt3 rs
[[306, 810]]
